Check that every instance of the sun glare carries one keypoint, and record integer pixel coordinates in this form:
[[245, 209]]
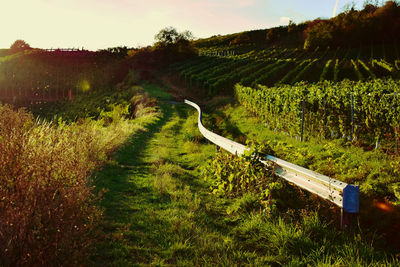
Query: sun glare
[[84, 86]]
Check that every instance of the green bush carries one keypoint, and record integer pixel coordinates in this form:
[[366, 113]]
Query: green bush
[[237, 176]]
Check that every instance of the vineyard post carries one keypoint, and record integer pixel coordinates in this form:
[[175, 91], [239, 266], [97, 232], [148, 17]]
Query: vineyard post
[[396, 138], [352, 117], [396, 132], [302, 121]]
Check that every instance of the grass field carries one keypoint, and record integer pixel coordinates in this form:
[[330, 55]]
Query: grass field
[[159, 210]]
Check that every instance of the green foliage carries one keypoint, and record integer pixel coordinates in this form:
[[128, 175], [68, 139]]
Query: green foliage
[[325, 70], [96, 105], [383, 64], [374, 171], [289, 76], [302, 72], [170, 36], [328, 108], [356, 69], [178, 222], [236, 176], [219, 68], [336, 71], [367, 69]]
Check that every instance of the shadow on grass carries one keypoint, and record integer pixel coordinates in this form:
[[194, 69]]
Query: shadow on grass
[[221, 124], [129, 199]]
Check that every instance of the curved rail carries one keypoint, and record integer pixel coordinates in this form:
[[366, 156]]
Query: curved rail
[[341, 194]]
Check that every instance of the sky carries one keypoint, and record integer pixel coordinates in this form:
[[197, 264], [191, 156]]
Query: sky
[[98, 24]]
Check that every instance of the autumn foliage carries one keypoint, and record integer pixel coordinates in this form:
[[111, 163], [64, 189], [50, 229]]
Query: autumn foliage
[[372, 25]]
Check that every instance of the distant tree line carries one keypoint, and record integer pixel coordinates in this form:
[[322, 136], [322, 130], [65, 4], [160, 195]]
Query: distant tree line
[[371, 25], [374, 24]]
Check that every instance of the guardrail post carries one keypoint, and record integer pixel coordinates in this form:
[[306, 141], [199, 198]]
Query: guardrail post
[[350, 204], [344, 219]]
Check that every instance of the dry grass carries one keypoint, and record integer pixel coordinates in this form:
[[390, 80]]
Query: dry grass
[[48, 212]]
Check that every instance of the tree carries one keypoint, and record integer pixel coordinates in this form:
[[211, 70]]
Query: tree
[[19, 45], [320, 35], [349, 6], [170, 36], [291, 26], [170, 46]]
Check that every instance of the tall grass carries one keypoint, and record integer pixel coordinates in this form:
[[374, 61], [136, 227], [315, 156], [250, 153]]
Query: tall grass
[[48, 211]]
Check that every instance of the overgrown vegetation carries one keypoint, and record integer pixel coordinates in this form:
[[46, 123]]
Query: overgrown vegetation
[[48, 209], [232, 176]]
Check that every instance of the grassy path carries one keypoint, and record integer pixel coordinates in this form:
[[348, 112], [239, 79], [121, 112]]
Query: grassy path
[[153, 207]]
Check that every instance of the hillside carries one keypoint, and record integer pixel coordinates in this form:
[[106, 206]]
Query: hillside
[[348, 46], [351, 28], [217, 69], [333, 90]]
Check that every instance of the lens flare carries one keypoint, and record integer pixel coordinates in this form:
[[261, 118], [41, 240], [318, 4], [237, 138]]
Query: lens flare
[[384, 206], [335, 8], [84, 86]]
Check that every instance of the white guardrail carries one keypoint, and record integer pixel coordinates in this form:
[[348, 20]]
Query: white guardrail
[[341, 194]]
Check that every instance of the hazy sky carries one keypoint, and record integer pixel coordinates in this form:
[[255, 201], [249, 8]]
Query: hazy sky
[[96, 24]]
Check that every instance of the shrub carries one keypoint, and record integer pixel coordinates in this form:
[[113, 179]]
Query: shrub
[[238, 176], [45, 198]]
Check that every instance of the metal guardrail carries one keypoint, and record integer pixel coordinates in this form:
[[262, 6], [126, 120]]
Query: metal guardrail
[[341, 194]]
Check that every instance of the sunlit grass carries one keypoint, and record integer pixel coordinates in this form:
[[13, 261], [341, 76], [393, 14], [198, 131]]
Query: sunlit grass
[[374, 171], [160, 211]]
